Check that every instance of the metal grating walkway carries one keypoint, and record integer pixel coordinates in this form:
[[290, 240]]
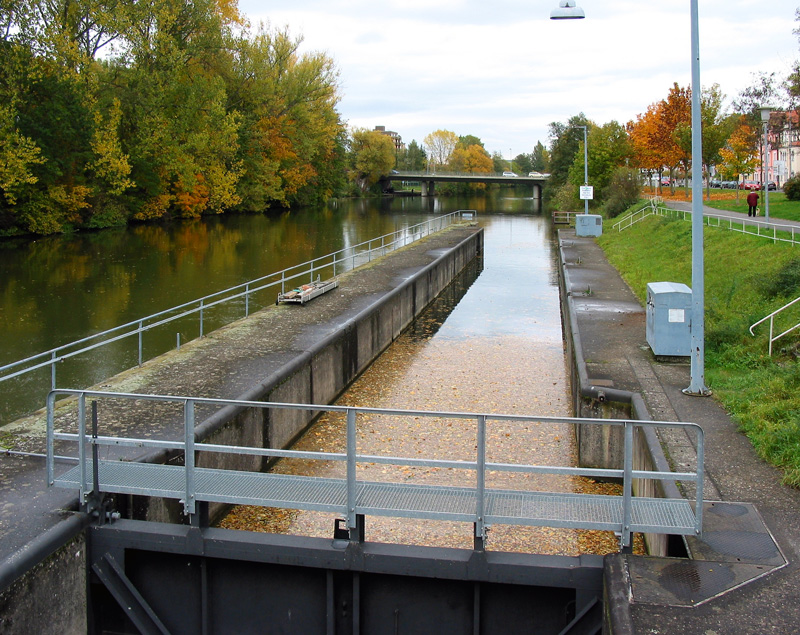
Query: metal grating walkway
[[579, 511]]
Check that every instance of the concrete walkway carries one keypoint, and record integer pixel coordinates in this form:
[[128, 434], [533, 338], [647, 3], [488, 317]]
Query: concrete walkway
[[611, 323], [224, 364]]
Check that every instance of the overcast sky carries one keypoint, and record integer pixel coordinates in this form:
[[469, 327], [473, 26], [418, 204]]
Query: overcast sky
[[502, 71]]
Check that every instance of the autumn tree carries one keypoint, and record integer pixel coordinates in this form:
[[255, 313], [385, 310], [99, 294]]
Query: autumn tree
[[440, 145], [740, 155], [372, 156]]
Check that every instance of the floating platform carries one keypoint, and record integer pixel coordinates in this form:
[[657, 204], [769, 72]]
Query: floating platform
[[306, 292]]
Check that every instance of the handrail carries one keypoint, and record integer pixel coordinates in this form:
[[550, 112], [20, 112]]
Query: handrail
[[750, 226], [771, 318], [189, 445], [329, 264]]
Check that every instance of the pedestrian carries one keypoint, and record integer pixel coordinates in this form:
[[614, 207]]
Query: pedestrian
[[752, 203]]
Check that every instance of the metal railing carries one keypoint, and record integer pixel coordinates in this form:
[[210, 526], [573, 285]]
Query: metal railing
[[354, 495], [771, 319], [329, 265], [777, 232], [565, 218]]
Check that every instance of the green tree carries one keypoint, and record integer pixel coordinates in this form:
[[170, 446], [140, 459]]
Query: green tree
[[540, 158], [412, 158], [372, 156], [566, 143]]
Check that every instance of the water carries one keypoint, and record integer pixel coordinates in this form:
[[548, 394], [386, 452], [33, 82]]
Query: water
[[491, 343], [59, 289]]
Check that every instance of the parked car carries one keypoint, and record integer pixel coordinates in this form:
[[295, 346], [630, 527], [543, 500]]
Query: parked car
[[509, 174], [715, 183], [749, 185], [772, 185], [729, 185], [665, 180]]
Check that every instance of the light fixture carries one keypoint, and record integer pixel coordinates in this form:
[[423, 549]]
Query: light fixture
[[567, 10], [765, 111]]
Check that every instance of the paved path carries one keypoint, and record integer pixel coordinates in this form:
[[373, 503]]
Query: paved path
[[611, 323]]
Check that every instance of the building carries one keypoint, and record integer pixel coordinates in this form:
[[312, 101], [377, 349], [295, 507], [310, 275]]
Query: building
[[396, 138], [783, 138]]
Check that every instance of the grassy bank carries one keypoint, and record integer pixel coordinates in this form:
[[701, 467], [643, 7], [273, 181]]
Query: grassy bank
[[746, 279]]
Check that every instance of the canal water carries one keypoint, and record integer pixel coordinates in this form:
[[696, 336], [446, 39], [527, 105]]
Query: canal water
[[491, 343], [56, 290]]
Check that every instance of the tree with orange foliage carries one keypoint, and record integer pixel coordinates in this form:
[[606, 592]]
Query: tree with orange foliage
[[740, 155]]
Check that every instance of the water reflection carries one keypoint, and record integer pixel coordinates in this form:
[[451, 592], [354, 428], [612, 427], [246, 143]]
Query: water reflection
[[59, 289]]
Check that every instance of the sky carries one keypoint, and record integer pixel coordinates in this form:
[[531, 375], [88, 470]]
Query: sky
[[503, 71]]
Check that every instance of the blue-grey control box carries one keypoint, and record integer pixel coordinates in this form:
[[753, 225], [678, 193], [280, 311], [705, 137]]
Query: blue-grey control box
[[588, 225], [669, 313]]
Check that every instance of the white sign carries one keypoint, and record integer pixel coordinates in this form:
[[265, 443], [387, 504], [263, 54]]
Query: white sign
[[676, 315], [587, 192]]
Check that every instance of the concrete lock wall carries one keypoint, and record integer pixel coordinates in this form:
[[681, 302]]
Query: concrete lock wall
[[44, 589], [603, 446], [319, 375]]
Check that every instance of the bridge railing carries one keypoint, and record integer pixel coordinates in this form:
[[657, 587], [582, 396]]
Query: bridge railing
[[368, 484], [244, 295]]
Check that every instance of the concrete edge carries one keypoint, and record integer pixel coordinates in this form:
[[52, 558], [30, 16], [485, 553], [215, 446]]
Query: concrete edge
[[41, 548]]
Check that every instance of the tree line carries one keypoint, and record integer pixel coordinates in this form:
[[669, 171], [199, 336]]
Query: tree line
[[118, 111]]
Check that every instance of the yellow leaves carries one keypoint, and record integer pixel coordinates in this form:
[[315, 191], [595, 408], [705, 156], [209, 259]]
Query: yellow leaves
[[17, 155], [110, 164]]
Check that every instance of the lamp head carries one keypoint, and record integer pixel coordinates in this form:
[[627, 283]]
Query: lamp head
[[567, 10], [765, 111]]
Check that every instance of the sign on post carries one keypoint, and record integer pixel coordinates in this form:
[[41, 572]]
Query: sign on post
[[587, 192]]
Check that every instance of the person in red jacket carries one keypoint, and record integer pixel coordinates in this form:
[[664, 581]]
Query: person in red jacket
[[752, 202]]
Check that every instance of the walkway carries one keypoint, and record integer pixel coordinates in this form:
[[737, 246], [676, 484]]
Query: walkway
[[611, 323]]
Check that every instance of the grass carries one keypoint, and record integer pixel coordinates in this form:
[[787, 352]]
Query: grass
[[779, 205], [746, 279]]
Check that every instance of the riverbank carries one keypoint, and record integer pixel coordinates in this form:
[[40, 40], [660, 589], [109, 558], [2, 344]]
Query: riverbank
[[742, 575]]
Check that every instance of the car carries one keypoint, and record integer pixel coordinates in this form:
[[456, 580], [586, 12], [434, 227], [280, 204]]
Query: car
[[715, 183], [729, 185], [749, 185], [509, 174], [665, 180], [772, 185], [535, 174]]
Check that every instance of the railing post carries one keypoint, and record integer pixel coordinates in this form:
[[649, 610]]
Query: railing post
[[53, 370], [188, 460], [480, 485], [627, 487], [82, 444], [140, 342], [247, 300], [771, 322], [51, 406], [351, 469], [312, 271], [201, 318], [283, 282], [698, 511]]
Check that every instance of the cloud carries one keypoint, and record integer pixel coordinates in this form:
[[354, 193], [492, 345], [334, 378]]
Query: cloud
[[503, 72]]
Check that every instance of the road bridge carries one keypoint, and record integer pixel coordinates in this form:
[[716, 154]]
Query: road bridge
[[428, 180]]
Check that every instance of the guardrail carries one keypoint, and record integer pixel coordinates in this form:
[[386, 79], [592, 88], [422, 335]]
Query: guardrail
[[352, 495], [329, 265], [771, 318], [565, 218], [777, 232]]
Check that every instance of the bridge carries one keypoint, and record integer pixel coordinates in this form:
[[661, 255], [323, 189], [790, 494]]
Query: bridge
[[428, 180]]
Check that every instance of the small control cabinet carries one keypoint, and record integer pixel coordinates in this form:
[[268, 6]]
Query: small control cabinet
[[669, 313], [588, 225]]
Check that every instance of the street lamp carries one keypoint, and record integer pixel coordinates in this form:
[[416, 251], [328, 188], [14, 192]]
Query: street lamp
[[765, 113], [567, 10]]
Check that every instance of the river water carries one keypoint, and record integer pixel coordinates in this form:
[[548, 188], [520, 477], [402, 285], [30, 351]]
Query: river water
[[491, 343], [56, 290]]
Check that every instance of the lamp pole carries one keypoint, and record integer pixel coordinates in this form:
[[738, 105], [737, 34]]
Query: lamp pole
[[697, 384], [765, 113], [568, 10], [585, 164]]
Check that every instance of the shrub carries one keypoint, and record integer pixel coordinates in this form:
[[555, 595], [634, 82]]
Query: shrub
[[622, 191], [792, 188]]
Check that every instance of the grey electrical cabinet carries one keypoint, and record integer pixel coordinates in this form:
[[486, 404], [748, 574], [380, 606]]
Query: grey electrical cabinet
[[669, 312], [588, 225]]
